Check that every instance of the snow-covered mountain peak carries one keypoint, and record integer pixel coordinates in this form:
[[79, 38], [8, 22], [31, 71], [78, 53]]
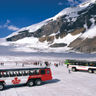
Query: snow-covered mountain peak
[[71, 12], [92, 1], [64, 31], [31, 28], [87, 3]]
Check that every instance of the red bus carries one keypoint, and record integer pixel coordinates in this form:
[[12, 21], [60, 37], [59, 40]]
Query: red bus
[[29, 76]]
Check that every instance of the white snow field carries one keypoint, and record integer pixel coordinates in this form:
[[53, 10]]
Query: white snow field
[[63, 84]]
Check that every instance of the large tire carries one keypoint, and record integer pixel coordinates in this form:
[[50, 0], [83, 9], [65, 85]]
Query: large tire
[[73, 69], [94, 71], [90, 70], [1, 86], [30, 83], [38, 82]]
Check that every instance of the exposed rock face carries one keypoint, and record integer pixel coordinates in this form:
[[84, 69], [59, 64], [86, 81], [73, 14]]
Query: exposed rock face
[[47, 38], [59, 45], [77, 31], [20, 35], [88, 45]]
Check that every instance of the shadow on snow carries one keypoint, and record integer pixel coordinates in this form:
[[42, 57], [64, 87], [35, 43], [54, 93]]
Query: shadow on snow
[[23, 85]]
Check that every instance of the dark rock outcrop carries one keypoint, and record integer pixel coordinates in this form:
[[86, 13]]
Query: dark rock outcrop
[[59, 45], [47, 38], [87, 46]]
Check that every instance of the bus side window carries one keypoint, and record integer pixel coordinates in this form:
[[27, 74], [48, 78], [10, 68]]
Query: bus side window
[[25, 73], [77, 63], [0, 74], [11, 74], [14, 73], [82, 64], [42, 71], [37, 71], [34, 72], [31, 72], [19, 73], [91, 64], [48, 71], [94, 64], [5, 74], [74, 63], [88, 63]]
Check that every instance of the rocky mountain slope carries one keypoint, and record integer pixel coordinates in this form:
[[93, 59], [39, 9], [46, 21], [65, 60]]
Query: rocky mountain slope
[[73, 28]]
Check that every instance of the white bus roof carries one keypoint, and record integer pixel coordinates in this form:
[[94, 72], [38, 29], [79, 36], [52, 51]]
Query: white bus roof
[[17, 69]]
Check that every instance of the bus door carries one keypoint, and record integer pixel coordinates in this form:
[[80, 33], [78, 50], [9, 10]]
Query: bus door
[[46, 74]]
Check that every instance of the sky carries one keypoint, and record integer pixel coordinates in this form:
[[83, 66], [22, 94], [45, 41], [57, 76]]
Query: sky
[[15, 14]]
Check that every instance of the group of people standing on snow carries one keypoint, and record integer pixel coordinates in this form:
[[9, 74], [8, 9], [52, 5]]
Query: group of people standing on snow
[[44, 63], [2, 63]]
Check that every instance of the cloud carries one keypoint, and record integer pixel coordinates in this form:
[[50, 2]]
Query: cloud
[[75, 2], [13, 28], [9, 27], [6, 24], [60, 3], [83, 0], [71, 0]]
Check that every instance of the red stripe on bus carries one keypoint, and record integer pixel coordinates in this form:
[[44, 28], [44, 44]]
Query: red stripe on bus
[[82, 69]]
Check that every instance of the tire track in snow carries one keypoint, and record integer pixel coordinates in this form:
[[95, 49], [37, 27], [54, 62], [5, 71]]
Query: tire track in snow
[[3, 93], [10, 92]]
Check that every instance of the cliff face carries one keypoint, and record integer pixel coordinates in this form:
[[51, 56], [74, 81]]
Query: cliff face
[[87, 45], [75, 21]]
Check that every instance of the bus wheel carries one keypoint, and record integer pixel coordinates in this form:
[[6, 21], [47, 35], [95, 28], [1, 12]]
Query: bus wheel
[[73, 69], [30, 83], [1, 86], [38, 82], [90, 71], [94, 71]]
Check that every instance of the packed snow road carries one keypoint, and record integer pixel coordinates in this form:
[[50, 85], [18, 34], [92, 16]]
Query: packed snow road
[[63, 84]]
